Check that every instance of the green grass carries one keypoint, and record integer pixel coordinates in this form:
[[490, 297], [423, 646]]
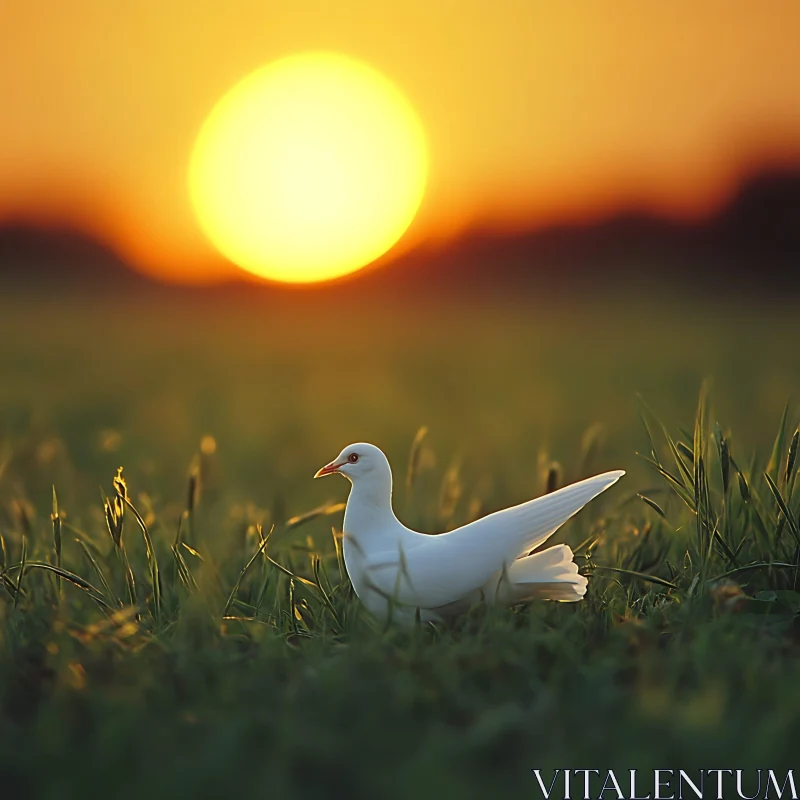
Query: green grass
[[187, 630]]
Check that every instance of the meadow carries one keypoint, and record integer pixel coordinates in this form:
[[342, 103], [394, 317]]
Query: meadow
[[185, 627]]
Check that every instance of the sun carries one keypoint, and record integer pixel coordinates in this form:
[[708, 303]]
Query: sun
[[309, 168]]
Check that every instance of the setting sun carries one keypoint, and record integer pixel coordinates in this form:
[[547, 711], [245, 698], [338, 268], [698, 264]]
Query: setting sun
[[308, 169]]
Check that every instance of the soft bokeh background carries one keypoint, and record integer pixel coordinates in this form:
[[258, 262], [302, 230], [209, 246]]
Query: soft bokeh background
[[537, 113]]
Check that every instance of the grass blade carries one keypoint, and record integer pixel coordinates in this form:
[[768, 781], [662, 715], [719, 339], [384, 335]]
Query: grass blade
[[321, 511], [261, 549], [21, 565], [152, 558], [677, 486], [55, 518], [640, 575], [81, 583], [784, 509], [756, 566], [777, 447], [98, 571], [414, 458], [652, 503]]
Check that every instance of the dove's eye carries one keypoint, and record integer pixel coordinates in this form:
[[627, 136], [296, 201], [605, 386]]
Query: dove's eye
[[353, 458]]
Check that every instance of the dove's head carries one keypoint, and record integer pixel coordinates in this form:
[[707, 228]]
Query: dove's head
[[361, 464]]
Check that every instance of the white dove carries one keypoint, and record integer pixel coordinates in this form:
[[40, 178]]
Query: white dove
[[398, 573]]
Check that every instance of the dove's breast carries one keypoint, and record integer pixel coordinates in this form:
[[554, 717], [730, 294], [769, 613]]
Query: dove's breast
[[369, 537]]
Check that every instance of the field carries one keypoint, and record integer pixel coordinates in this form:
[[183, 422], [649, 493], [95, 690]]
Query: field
[[188, 630]]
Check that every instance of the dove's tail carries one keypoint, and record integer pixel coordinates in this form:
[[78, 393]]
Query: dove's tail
[[549, 575]]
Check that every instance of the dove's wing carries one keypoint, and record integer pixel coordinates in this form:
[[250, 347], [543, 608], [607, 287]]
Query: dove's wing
[[444, 568], [525, 527]]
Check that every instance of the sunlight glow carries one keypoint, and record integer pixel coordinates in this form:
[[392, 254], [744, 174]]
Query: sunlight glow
[[308, 169]]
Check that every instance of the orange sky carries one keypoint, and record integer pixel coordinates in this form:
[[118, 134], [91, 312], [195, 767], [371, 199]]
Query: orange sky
[[535, 110]]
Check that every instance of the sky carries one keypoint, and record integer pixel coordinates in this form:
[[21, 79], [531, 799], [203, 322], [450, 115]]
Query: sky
[[535, 111]]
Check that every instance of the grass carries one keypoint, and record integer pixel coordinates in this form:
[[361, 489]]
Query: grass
[[190, 630]]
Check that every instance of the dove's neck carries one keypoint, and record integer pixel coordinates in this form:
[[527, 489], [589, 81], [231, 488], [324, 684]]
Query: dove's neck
[[369, 507]]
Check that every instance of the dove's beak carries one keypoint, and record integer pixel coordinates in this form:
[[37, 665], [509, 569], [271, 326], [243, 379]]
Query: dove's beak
[[328, 469]]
